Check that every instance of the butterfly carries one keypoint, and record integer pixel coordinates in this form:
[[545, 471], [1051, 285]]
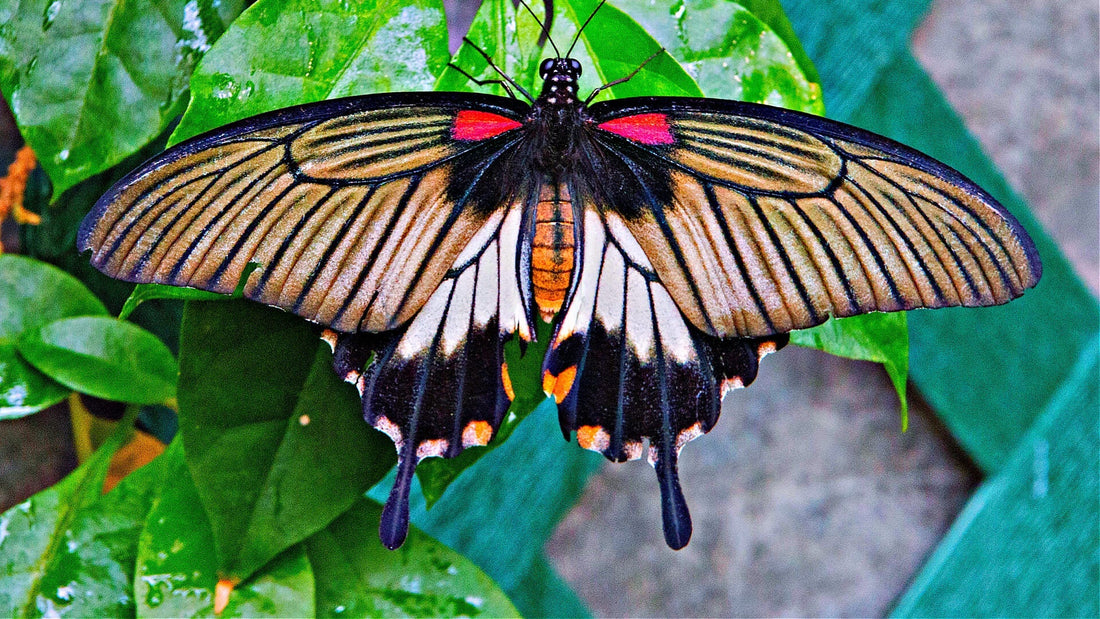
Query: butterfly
[[671, 242]]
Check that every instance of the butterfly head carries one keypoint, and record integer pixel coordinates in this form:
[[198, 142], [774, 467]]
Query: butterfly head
[[559, 81]]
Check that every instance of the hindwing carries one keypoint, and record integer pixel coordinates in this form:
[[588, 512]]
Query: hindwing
[[627, 368]]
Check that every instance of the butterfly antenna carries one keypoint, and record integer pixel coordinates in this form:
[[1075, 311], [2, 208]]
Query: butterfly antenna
[[583, 26], [622, 79], [544, 36], [493, 66], [503, 84]]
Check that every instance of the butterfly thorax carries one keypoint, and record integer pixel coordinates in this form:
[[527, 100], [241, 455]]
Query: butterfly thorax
[[557, 116]]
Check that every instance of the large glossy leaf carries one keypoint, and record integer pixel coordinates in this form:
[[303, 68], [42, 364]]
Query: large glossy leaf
[[731, 52], [357, 576], [281, 53], [276, 443], [177, 567], [91, 82], [105, 357], [69, 550], [771, 12], [32, 294]]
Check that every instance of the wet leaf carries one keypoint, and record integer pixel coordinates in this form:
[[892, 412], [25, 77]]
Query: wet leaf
[[177, 566], [357, 576], [33, 293], [104, 357], [91, 82], [731, 52], [276, 443], [281, 53]]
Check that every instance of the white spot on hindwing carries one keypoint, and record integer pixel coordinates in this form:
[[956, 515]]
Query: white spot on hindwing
[[639, 317], [457, 322], [513, 317], [427, 323], [675, 337], [390, 429], [582, 303]]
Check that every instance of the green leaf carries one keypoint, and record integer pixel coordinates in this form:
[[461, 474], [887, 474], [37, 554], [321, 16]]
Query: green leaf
[[731, 52], [33, 293], [177, 568], [91, 82], [105, 357], [357, 576], [149, 292], [882, 338], [616, 46], [281, 53], [276, 443], [771, 13], [69, 550], [613, 46]]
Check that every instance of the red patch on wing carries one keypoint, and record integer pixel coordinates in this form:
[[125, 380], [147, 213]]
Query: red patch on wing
[[471, 125], [644, 128]]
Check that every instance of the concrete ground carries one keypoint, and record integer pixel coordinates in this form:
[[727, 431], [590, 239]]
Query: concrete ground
[[807, 499]]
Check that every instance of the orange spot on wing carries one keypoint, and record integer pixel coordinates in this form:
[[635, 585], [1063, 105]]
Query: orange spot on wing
[[507, 380], [477, 433], [559, 386], [593, 438], [472, 125]]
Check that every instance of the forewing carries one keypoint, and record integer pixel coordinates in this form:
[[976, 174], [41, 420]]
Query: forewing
[[760, 220], [351, 207]]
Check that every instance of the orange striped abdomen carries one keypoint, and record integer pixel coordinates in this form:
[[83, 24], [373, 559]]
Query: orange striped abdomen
[[552, 249]]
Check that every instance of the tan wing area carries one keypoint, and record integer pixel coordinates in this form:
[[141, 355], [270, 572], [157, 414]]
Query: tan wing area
[[771, 228], [349, 217]]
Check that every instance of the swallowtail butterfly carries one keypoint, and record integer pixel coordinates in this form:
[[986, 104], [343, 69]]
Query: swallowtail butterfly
[[672, 242]]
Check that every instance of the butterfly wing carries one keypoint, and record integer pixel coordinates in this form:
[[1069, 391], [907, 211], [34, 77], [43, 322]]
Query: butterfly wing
[[709, 229], [379, 216], [626, 366], [761, 220], [354, 208]]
